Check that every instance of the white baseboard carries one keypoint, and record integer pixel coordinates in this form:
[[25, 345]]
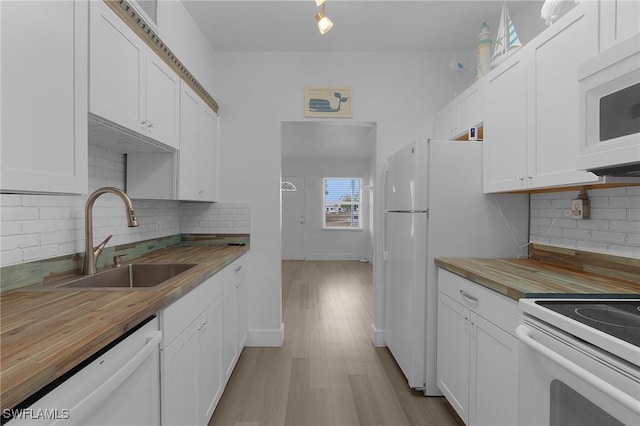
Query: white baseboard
[[266, 338], [377, 337], [333, 256]]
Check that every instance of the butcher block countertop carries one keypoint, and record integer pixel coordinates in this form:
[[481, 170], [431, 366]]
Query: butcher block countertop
[[45, 333], [540, 277]]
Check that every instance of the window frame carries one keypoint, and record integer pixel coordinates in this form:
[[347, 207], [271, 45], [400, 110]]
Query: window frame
[[360, 226]]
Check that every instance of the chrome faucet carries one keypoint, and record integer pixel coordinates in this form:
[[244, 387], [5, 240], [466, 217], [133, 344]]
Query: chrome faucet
[[90, 253]]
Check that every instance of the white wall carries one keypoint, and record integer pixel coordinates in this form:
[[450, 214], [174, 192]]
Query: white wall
[[614, 227], [331, 244], [397, 91]]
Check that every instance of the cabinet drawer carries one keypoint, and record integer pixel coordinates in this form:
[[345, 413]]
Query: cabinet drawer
[[494, 307], [234, 273], [177, 316]]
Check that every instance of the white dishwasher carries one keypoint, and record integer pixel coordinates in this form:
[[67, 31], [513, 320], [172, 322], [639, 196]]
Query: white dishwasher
[[119, 387]]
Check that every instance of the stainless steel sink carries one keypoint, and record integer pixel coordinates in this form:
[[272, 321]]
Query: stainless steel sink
[[135, 275]]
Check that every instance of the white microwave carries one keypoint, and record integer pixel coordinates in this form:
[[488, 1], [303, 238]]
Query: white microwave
[[610, 111]]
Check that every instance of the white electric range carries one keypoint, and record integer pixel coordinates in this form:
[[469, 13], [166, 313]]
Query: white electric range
[[579, 362]]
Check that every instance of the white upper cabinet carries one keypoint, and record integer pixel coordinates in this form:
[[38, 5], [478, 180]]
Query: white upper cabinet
[[554, 100], [465, 111], [130, 85], [619, 20], [44, 96], [505, 126], [198, 155], [531, 123]]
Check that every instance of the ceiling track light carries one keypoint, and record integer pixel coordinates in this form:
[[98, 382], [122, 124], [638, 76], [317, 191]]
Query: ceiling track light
[[324, 23]]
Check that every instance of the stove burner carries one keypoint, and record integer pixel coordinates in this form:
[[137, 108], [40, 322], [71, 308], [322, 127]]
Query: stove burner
[[610, 316], [618, 318]]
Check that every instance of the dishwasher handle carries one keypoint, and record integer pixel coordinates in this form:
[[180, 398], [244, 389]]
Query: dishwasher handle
[[89, 403], [523, 334]]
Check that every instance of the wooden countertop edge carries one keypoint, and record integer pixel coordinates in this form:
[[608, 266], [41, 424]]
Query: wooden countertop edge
[[113, 328], [557, 289], [503, 289]]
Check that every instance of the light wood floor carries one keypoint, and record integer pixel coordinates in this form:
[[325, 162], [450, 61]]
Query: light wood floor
[[327, 372]]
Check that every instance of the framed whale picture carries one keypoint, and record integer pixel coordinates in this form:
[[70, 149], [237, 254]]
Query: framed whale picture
[[328, 102]]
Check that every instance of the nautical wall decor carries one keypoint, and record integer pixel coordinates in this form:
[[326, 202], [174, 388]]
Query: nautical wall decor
[[328, 102]]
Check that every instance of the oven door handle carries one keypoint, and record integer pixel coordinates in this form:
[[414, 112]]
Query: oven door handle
[[523, 334]]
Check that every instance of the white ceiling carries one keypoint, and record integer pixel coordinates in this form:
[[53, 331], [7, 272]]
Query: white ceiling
[[369, 26], [328, 139]]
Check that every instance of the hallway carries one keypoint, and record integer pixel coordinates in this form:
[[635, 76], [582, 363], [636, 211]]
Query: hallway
[[327, 372]]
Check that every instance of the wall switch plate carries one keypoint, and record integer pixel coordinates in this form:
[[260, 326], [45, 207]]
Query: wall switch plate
[[580, 208]]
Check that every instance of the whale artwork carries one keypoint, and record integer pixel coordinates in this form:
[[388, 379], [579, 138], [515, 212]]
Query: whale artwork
[[327, 103], [324, 105]]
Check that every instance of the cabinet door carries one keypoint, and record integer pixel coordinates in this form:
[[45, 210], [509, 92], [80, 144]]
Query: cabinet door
[[116, 66], [446, 121], [229, 332], [470, 108], [619, 20], [210, 360], [242, 313], [493, 375], [44, 96], [180, 376], [555, 100], [190, 110], [162, 101], [208, 154], [453, 354], [505, 126]]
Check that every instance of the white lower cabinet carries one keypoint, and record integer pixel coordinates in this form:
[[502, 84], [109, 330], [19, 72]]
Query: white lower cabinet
[[203, 335], [477, 354], [179, 378], [210, 383], [191, 371], [235, 314]]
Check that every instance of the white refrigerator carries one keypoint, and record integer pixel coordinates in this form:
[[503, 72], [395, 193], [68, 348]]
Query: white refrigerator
[[435, 207]]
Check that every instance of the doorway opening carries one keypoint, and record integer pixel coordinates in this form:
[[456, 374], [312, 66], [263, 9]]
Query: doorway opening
[[315, 155]]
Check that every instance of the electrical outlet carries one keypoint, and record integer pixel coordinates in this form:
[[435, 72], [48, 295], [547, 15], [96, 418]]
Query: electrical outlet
[[580, 208]]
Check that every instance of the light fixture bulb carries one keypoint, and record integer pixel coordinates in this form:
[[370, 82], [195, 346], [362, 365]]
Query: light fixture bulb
[[319, 2], [324, 23]]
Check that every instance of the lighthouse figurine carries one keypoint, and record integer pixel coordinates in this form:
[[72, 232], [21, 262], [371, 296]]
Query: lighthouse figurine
[[483, 49]]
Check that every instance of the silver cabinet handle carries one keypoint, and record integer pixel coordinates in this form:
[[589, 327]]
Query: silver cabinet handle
[[468, 296]]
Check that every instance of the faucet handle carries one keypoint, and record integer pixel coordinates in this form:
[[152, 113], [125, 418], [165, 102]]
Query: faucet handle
[[117, 260]]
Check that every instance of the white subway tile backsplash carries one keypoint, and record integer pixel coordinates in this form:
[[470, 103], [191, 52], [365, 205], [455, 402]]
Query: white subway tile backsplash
[[35, 227], [631, 202], [10, 200], [10, 257], [11, 242], [19, 213], [609, 214], [11, 228], [37, 253], [614, 226]]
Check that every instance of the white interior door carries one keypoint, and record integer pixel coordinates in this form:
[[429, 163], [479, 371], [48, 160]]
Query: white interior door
[[293, 220]]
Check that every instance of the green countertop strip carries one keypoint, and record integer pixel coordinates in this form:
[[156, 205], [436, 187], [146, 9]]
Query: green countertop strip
[[41, 271]]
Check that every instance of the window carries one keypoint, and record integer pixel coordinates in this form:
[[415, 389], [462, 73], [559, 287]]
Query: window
[[342, 203]]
